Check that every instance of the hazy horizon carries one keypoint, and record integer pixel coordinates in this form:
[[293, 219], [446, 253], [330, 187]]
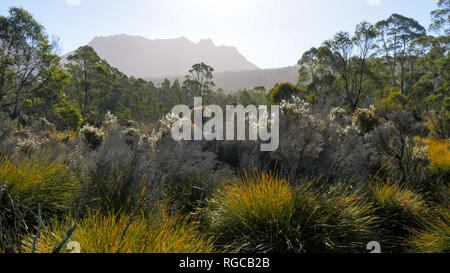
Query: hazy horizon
[[272, 34]]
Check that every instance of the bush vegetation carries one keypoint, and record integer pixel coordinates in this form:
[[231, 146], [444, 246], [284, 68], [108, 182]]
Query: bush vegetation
[[364, 151]]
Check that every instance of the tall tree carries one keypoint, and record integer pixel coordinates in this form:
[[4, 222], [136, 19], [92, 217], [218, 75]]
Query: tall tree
[[308, 64], [199, 79], [26, 61], [397, 36], [441, 17], [347, 57], [90, 76]]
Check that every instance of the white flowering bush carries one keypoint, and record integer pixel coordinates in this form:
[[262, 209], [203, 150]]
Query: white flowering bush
[[365, 120], [91, 136], [110, 122], [44, 125], [165, 126], [337, 114], [27, 146], [295, 106], [131, 135]]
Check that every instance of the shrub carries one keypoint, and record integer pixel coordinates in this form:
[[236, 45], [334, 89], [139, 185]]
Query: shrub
[[439, 154], [132, 136], [365, 119], [103, 234], [185, 193], [27, 146], [392, 144], [111, 168], [301, 141], [441, 121], [337, 115], [395, 101], [91, 136], [69, 118], [282, 91], [44, 125], [110, 122], [264, 214]]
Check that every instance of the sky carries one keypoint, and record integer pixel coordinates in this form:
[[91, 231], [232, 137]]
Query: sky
[[269, 33]]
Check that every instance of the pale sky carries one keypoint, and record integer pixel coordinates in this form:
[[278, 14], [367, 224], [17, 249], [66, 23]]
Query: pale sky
[[269, 33]]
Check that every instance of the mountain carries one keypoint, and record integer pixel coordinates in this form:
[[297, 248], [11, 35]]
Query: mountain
[[141, 57], [239, 80]]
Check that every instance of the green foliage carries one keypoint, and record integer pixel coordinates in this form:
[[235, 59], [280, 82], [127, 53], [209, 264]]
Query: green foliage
[[365, 119], [24, 45], [440, 17], [399, 208], [435, 238], [395, 101], [351, 70], [282, 91], [199, 81], [398, 36], [67, 116], [91, 136], [40, 181], [441, 121], [90, 76]]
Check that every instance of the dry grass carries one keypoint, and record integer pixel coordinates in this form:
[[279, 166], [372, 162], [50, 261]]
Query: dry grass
[[439, 154], [103, 234], [435, 238]]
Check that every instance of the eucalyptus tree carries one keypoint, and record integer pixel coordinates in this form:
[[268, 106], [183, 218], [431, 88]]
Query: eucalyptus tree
[[200, 79], [397, 36], [441, 17], [91, 78], [27, 65], [309, 65], [347, 57]]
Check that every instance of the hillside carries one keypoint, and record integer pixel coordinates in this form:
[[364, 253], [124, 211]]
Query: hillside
[[239, 80], [141, 57]]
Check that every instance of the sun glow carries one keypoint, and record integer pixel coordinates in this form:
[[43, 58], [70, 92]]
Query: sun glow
[[224, 6]]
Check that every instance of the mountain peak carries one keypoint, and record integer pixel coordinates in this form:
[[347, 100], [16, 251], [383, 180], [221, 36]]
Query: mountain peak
[[206, 42], [142, 57]]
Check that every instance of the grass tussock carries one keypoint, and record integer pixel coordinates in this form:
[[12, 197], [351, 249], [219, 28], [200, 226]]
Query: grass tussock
[[263, 213], [39, 181], [399, 208], [106, 234], [435, 238]]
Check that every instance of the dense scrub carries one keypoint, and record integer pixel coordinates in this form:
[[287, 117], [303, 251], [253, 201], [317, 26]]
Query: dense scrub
[[364, 152]]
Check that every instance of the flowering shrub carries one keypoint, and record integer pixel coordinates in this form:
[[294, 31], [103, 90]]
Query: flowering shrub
[[295, 106], [365, 120], [110, 122], [91, 136], [165, 126], [131, 135], [44, 125], [27, 146], [337, 115]]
